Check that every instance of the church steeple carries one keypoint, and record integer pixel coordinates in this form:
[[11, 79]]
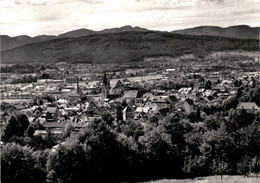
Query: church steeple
[[105, 86], [105, 82]]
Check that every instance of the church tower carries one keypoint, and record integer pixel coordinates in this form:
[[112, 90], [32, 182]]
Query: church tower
[[105, 87]]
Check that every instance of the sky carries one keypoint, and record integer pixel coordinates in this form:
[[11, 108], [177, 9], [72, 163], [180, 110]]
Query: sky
[[53, 17]]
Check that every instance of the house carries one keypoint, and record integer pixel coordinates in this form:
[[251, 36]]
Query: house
[[37, 112], [185, 90], [188, 106], [52, 113], [128, 113], [248, 106], [71, 80], [43, 133], [219, 88], [228, 83], [62, 65], [75, 97], [141, 112], [92, 109], [132, 96], [161, 102], [53, 125]]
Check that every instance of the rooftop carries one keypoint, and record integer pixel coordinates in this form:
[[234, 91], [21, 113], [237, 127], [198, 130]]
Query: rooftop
[[248, 106], [131, 94]]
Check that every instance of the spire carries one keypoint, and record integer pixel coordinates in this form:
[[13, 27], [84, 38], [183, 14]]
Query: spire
[[105, 81]]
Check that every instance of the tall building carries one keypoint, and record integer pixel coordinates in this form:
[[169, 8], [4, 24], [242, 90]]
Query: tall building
[[105, 87]]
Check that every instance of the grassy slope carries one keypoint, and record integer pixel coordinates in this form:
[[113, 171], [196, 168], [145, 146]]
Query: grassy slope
[[122, 47], [212, 179]]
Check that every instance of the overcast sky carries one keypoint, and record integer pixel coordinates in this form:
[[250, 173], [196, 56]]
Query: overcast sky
[[53, 17]]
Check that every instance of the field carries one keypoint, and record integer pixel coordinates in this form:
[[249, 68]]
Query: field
[[212, 179]]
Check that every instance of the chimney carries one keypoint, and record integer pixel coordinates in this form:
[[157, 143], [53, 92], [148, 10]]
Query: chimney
[[77, 84]]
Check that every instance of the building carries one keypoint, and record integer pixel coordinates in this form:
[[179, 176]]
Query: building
[[52, 113], [128, 113], [248, 106], [105, 87], [188, 106], [132, 97], [71, 80]]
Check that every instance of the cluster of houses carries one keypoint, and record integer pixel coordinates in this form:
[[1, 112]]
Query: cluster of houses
[[55, 104]]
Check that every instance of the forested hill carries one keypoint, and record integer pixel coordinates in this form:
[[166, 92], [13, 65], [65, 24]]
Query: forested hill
[[122, 47], [239, 31], [8, 42]]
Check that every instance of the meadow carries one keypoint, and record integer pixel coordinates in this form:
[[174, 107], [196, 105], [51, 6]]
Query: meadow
[[212, 179]]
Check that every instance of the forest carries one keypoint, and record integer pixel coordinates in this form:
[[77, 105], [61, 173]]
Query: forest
[[216, 140]]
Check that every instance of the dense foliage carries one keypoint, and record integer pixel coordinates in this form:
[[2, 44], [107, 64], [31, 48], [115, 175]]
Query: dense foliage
[[222, 141]]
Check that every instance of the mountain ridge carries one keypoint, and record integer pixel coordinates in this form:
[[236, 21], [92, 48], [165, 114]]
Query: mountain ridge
[[122, 47], [8, 42], [237, 31]]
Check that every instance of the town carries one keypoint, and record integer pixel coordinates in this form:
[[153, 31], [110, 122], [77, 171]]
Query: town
[[78, 93], [62, 101]]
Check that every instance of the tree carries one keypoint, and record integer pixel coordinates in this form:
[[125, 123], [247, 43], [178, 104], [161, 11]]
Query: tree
[[104, 150], [220, 167], [17, 164], [23, 124], [119, 114], [68, 130], [198, 114], [243, 167], [68, 164], [212, 122], [41, 157], [45, 76], [159, 153], [132, 129], [239, 93], [16, 126], [107, 117], [33, 127], [237, 83], [195, 166], [255, 165], [220, 149], [208, 84], [11, 129]]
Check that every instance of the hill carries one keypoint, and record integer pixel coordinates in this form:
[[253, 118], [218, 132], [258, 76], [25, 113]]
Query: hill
[[240, 31], [8, 42], [122, 47]]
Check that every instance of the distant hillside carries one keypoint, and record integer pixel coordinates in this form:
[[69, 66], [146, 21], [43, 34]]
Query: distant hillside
[[240, 31], [76, 33], [122, 47], [8, 42]]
